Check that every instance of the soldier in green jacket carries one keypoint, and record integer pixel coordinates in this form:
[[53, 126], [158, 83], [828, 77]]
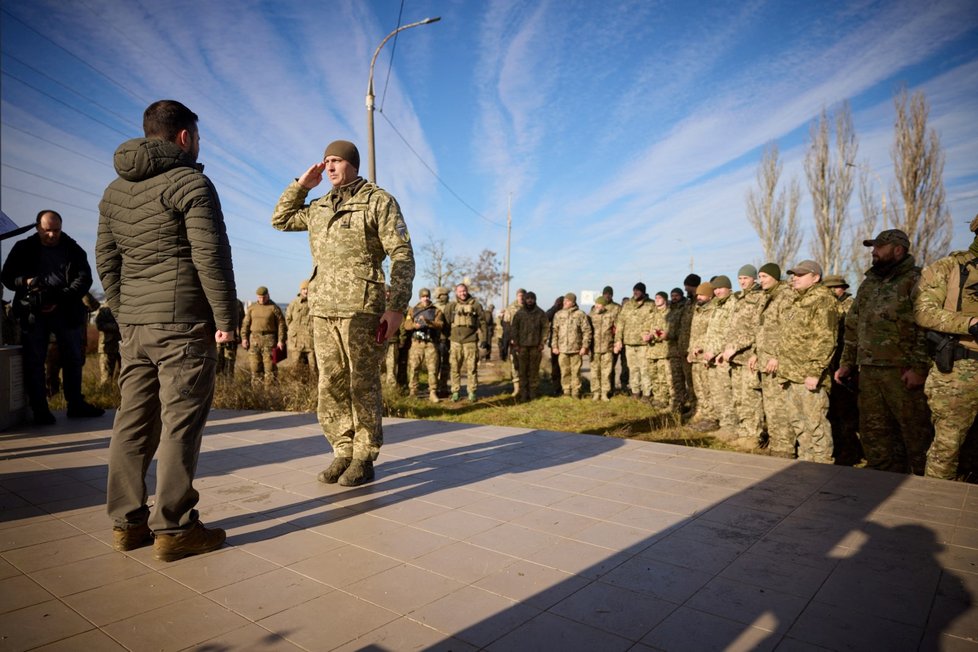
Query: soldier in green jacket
[[468, 323], [887, 347], [571, 340], [423, 325], [628, 338], [602, 358], [947, 303], [528, 337], [719, 376], [809, 328], [706, 417], [262, 330], [299, 324], [744, 381], [352, 229], [658, 335]]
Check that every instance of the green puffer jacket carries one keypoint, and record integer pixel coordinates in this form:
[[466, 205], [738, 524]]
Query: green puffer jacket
[[162, 250]]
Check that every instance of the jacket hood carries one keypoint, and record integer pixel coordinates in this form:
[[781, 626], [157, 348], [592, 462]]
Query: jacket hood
[[143, 158]]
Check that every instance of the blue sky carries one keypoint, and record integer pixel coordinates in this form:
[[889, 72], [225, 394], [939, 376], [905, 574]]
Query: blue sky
[[626, 133]]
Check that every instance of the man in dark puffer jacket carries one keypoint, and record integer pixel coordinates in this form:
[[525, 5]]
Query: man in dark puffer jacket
[[165, 262]]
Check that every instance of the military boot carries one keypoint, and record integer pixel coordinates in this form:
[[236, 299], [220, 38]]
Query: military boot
[[433, 396], [333, 472], [194, 541], [359, 472], [130, 538]]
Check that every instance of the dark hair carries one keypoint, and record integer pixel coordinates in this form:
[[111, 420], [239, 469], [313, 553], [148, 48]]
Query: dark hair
[[164, 119], [530, 295], [37, 220]]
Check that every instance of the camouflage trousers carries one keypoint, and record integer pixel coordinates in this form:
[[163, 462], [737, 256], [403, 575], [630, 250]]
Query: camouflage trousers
[[953, 401], [108, 366], [747, 402], [894, 422], [688, 396], [467, 354], [601, 373], [660, 379], [227, 357], [305, 362], [782, 441], [570, 374], [808, 421], [350, 402], [260, 347], [638, 370], [701, 387], [422, 353], [389, 365], [444, 364], [721, 395], [528, 372], [677, 367]]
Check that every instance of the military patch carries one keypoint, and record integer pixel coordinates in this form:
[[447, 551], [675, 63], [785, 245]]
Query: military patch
[[402, 230]]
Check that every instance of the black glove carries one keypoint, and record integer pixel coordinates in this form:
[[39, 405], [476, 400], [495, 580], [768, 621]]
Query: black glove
[[973, 329]]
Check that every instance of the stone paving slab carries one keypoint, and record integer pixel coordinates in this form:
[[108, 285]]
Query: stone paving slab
[[477, 537]]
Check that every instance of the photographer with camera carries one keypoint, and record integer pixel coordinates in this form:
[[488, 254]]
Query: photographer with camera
[[425, 323], [49, 274]]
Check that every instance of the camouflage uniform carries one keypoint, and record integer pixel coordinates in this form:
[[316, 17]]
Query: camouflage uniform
[[571, 333], [699, 324], [109, 338], [946, 302], [529, 332], [808, 339], [424, 324], [468, 324], [882, 341], [628, 331], [264, 328], [440, 301], [603, 324], [657, 357], [721, 382], [686, 323], [227, 352], [773, 393], [508, 315], [299, 324], [678, 343], [843, 401], [746, 384], [351, 230]]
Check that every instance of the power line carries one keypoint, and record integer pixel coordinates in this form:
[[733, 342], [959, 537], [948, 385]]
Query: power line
[[59, 101], [61, 183], [390, 64], [435, 174], [59, 145], [51, 199]]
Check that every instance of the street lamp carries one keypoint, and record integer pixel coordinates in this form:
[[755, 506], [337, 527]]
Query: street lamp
[[370, 93], [878, 178]]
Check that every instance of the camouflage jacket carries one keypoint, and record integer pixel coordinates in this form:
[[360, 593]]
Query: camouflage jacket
[[845, 304], [299, 322], [678, 334], [880, 330], [809, 331], [109, 335], [932, 307], [744, 323], [716, 333], [467, 321], [352, 230], [768, 338], [630, 323], [698, 327], [571, 331], [510, 311], [264, 319], [425, 323], [530, 328], [658, 320], [603, 324]]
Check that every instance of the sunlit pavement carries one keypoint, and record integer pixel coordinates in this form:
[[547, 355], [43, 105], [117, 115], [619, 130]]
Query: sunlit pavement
[[487, 537]]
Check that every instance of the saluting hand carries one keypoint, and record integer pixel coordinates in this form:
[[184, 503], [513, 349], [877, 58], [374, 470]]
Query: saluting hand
[[313, 176]]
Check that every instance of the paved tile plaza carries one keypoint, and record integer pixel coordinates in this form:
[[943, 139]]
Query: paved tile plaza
[[477, 537]]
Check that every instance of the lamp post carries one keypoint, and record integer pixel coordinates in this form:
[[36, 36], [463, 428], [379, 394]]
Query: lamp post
[[370, 93], [878, 178]]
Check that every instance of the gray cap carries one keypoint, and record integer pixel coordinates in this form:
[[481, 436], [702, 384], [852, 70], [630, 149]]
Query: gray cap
[[806, 267]]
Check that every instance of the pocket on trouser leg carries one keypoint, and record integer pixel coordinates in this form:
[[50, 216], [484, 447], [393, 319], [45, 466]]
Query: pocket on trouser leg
[[197, 369]]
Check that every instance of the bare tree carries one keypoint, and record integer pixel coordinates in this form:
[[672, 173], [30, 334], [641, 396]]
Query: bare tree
[[918, 165], [830, 182], [439, 268], [866, 229], [774, 213], [485, 276]]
